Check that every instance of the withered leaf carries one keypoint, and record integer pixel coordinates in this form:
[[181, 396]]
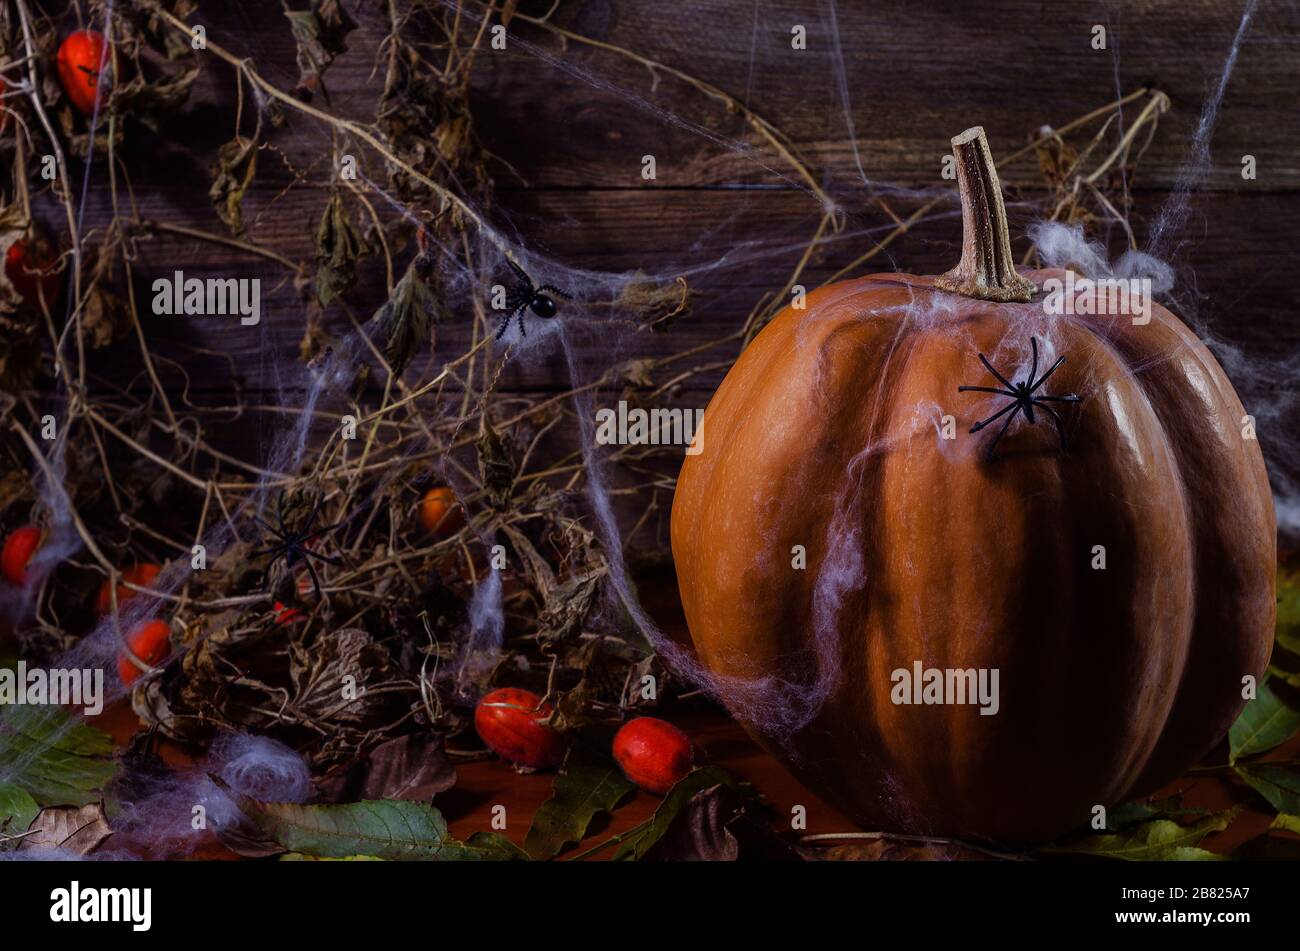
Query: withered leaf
[[231, 175], [496, 464], [332, 677], [104, 317], [316, 340], [702, 831], [408, 767], [68, 829], [20, 360], [321, 32], [656, 304], [568, 606], [338, 248], [152, 101], [405, 318], [148, 19], [639, 841]]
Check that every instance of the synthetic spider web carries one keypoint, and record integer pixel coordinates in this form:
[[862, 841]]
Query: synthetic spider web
[[437, 387]]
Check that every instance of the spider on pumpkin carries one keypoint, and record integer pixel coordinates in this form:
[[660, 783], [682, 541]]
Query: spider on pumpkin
[[1022, 396], [295, 546], [526, 296]]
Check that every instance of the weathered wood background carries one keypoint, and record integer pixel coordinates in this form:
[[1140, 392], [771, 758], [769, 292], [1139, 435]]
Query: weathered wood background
[[570, 123]]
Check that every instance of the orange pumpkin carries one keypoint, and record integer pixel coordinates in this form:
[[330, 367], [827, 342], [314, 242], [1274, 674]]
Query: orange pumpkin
[[81, 59], [1096, 533]]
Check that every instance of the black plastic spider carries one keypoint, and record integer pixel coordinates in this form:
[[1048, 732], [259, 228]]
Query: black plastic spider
[[293, 546], [1022, 396], [525, 296]]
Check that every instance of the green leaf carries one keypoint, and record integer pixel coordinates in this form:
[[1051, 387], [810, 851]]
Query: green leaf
[[54, 757], [382, 828], [590, 783], [1279, 785], [1158, 840], [17, 809], [495, 846], [637, 843], [1132, 813], [1266, 722], [1287, 822]]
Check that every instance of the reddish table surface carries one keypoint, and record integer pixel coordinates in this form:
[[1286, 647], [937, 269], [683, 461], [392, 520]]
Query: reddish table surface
[[480, 785]]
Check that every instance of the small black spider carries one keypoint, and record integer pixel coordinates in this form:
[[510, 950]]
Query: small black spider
[[1022, 396], [525, 296], [293, 546]]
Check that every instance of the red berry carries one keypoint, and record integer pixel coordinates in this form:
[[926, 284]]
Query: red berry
[[32, 274], [142, 575], [512, 723], [19, 548], [80, 58], [151, 642], [653, 753], [285, 614]]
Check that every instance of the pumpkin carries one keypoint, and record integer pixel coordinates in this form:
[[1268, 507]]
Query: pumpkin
[[82, 56], [1105, 545]]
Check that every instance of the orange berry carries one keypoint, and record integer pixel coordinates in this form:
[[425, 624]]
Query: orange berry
[[440, 512], [151, 642], [142, 575], [21, 545]]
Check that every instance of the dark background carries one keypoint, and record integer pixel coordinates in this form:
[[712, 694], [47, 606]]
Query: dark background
[[567, 125]]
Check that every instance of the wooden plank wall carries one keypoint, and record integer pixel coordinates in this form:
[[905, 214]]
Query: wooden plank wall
[[570, 123]]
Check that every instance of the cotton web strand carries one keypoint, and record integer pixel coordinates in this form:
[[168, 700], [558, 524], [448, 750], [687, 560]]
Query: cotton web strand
[[783, 707], [1174, 213]]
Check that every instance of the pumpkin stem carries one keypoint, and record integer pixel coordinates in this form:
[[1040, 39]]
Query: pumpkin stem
[[986, 269]]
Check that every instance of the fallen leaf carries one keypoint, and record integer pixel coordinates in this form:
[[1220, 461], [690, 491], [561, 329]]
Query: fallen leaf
[[1266, 722], [588, 784], [413, 767], [68, 829], [1279, 785], [1158, 840], [636, 844]]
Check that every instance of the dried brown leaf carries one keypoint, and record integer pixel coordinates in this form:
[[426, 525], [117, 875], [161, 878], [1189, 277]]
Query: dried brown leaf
[[68, 829]]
